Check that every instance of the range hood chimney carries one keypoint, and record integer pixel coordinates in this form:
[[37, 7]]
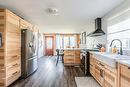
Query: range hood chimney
[[98, 27]]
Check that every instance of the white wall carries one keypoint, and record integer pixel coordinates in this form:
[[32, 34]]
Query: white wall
[[115, 12], [71, 28], [41, 44]]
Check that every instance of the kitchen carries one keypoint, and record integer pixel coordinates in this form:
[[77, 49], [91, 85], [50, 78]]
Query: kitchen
[[65, 43]]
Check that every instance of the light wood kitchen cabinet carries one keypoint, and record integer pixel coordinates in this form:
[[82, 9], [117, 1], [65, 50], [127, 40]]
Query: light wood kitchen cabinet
[[10, 52], [72, 57], [25, 25], [99, 72], [124, 75], [92, 65], [104, 74], [110, 79]]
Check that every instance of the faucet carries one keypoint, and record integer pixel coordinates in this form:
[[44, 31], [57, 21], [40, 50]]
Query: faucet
[[121, 52]]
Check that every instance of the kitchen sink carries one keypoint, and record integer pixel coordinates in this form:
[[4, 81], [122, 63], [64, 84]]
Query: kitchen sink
[[110, 59]]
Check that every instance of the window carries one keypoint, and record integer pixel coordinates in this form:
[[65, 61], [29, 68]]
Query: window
[[66, 41], [120, 30]]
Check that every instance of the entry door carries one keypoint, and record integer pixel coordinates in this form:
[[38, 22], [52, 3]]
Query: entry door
[[49, 41]]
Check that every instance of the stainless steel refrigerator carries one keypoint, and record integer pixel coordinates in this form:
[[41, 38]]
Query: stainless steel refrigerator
[[29, 46]]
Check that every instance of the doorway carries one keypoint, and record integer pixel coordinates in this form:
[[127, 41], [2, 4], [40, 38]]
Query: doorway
[[49, 45]]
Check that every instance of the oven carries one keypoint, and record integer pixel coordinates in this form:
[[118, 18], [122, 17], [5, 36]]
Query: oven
[[85, 61]]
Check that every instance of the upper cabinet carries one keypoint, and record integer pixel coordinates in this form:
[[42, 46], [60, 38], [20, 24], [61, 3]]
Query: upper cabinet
[[25, 25]]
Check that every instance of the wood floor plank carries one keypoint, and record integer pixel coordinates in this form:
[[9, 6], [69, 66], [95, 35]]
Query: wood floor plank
[[50, 75]]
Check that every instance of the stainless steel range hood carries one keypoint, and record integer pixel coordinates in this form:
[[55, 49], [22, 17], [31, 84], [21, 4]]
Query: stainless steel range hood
[[98, 27]]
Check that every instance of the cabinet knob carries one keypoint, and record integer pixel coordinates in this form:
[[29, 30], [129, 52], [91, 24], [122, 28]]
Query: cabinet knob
[[128, 67]]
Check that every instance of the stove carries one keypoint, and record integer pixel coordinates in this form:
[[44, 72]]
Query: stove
[[85, 64]]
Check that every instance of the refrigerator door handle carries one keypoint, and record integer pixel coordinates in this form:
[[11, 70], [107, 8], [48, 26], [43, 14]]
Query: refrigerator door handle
[[30, 44], [31, 58]]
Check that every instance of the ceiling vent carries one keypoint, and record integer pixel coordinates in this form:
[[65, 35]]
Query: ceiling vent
[[52, 11]]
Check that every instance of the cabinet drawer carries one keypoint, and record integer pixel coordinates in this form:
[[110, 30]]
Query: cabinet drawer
[[77, 52], [2, 73], [69, 52], [11, 60], [12, 69], [77, 60], [2, 63], [2, 82], [69, 57], [13, 52], [69, 60], [77, 56], [14, 76]]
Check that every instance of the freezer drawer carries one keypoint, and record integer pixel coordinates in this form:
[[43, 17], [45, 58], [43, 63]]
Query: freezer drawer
[[31, 66]]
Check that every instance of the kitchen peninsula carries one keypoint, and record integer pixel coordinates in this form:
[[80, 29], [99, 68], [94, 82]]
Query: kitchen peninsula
[[72, 56]]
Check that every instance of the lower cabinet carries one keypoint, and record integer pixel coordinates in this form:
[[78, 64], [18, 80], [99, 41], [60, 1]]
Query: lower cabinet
[[124, 76], [105, 75], [110, 79], [72, 57], [99, 72], [92, 67]]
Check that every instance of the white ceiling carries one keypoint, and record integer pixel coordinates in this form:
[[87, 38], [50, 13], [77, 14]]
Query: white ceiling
[[71, 12]]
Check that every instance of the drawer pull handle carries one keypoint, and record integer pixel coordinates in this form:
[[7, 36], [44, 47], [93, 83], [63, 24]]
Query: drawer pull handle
[[101, 64], [2, 69], [14, 73], [15, 56], [91, 65], [128, 67], [15, 64], [101, 73]]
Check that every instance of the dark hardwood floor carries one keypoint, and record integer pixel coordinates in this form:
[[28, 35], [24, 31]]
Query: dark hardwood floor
[[50, 75]]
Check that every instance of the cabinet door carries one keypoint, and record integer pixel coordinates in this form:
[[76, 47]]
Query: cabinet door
[[68, 59], [2, 61], [13, 47], [91, 59], [124, 78], [110, 79], [99, 73], [92, 70], [77, 59], [92, 65]]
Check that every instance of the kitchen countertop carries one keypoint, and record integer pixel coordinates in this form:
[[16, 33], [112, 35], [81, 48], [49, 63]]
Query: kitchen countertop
[[125, 62], [111, 59], [74, 49], [80, 49]]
